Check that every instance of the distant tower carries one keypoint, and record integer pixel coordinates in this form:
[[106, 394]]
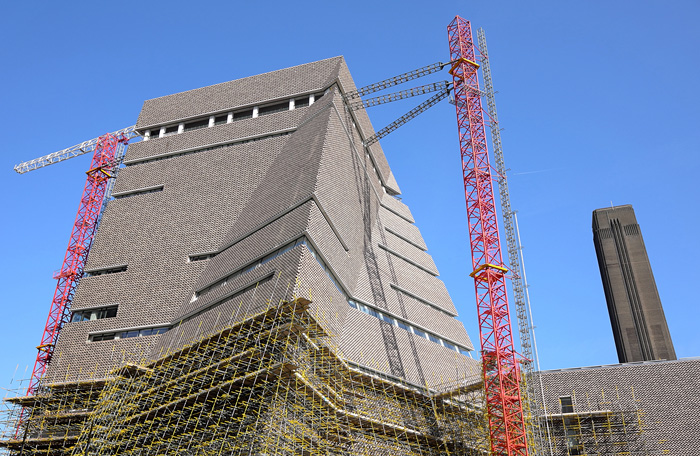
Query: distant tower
[[638, 321]]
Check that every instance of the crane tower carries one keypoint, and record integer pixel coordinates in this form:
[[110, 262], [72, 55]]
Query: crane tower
[[500, 365]]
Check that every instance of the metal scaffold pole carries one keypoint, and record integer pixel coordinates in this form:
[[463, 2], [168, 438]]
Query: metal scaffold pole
[[517, 267]]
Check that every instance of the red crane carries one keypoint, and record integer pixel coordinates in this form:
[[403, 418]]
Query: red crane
[[108, 150], [500, 365]]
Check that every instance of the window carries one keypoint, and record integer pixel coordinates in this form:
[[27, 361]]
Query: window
[[270, 109], [143, 191], [301, 102], [171, 130], [101, 337], [387, 319], [197, 124], [99, 272], [201, 257], [567, 405], [222, 119], [94, 314], [247, 114], [128, 334], [434, 339], [419, 333]]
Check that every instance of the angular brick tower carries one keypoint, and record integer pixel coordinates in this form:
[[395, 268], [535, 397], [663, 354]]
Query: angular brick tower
[[253, 191]]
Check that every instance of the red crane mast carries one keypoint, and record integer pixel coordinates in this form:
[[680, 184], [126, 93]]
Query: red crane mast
[[500, 366], [101, 170]]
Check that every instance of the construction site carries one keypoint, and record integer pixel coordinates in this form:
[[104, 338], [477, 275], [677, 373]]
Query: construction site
[[243, 278]]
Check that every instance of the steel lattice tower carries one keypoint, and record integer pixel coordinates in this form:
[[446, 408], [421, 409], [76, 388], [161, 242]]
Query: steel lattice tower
[[500, 366], [104, 162]]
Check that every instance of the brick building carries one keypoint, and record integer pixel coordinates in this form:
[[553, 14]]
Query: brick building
[[636, 315]]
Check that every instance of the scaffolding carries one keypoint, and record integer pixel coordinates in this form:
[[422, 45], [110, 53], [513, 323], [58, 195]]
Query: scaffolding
[[604, 426], [271, 383]]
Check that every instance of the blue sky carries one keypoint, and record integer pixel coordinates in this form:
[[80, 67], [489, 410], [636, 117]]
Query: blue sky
[[599, 102]]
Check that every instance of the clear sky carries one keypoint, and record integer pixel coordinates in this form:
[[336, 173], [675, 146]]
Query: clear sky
[[599, 103]]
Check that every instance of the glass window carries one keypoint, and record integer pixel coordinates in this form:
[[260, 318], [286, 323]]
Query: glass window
[[301, 102], [197, 124], [567, 404], [463, 351], [433, 338], [449, 345], [403, 325], [129, 334], [279, 107], [101, 337], [247, 114], [387, 319], [420, 333]]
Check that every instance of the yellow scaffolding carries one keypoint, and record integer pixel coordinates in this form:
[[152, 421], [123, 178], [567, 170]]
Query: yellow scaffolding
[[270, 384]]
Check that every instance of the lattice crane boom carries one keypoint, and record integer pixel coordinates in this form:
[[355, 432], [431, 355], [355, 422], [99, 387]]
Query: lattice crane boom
[[75, 151], [396, 80], [430, 102], [500, 366], [400, 95]]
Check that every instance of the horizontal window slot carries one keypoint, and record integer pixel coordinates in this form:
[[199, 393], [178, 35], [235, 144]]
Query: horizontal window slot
[[406, 326], [240, 115], [197, 124], [271, 109], [94, 314], [142, 191], [103, 271], [128, 334], [301, 102], [200, 257]]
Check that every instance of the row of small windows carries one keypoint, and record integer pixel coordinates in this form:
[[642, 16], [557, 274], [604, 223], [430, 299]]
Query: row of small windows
[[381, 315], [94, 314], [111, 270], [406, 326], [128, 334], [232, 116]]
